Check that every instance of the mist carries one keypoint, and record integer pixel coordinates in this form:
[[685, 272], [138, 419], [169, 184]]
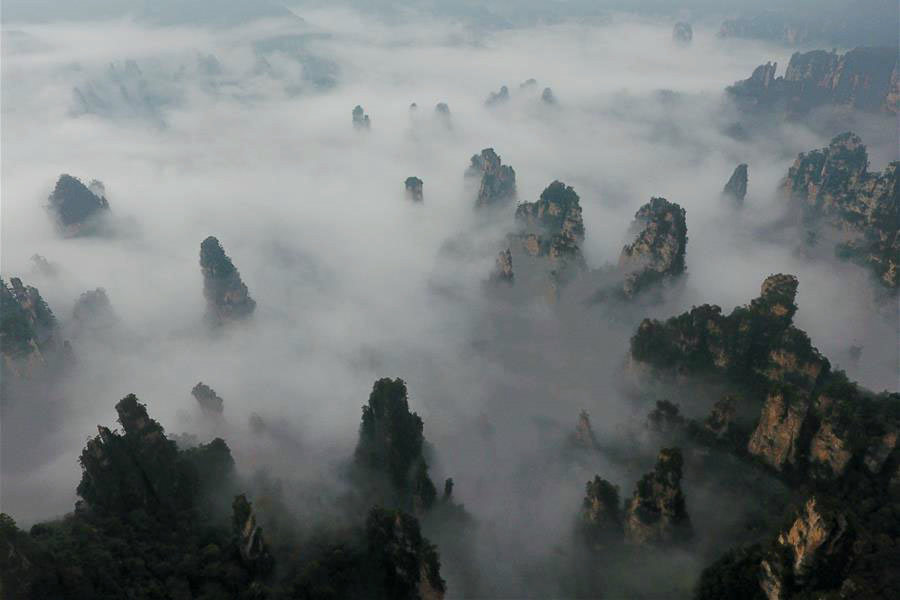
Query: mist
[[243, 131]]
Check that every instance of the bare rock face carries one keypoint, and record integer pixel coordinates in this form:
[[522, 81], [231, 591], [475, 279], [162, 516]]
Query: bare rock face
[[413, 187], [600, 521], [546, 248], [778, 438], [207, 398], [503, 268], [251, 543], [78, 208], [863, 78], [360, 119], [227, 298], [736, 188], [817, 541], [833, 186], [657, 252], [584, 434], [656, 513], [497, 181], [682, 33]]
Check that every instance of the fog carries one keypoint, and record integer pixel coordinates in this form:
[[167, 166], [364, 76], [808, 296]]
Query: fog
[[244, 132]]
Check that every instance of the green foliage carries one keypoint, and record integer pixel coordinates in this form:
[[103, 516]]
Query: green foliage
[[734, 576], [391, 442]]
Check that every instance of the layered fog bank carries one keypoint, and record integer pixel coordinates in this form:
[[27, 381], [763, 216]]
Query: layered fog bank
[[246, 132]]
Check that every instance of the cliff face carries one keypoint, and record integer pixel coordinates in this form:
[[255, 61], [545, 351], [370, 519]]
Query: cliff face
[[736, 188], [77, 207], [361, 120], [811, 552], [756, 344], [584, 434], [93, 311], [833, 185], [413, 187], [863, 78], [503, 268], [600, 521], [406, 562], [656, 513], [390, 446], [657, 252], [227, 298], [497, 185], [778, 436], [546, 247], [29, 334], [207, 398]]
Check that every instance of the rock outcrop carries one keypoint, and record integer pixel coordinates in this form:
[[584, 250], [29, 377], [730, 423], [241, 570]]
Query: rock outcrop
[[546, 248], [227, 298], [584, 433], [77, 208], [208, 399], [547, 97], [413, 187], [360, 118], [864, 78], [682, 33], [656, 513], [657, 253], [498, 97], [251, 543], [29, 333], [503, 268], [600, 520], [497, 182], [721, 420], [94, 312], [390, 447], [812, 552], [754, 343], [407, 564], [779, 436], [139, 468], [834, 186], [442, 114], [736, 188]]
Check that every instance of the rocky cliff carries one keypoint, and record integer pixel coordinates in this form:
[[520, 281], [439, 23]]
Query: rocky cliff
[[497, 182], [29, 334], [864, 78], [656, 513], [227, 298], [736, 188], [546, 246], [390, 448], [413, 186], [600, 520], [833, 186], [361, 120], [657, 253], [207, 398], [77, 208], [94, 312]]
